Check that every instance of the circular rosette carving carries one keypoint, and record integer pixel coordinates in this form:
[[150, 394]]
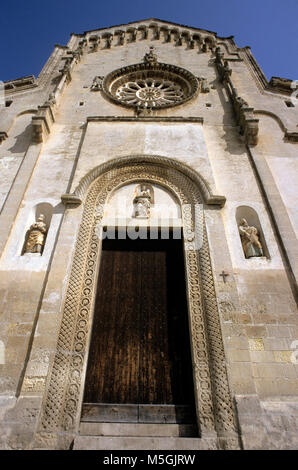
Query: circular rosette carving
[[150, 86]]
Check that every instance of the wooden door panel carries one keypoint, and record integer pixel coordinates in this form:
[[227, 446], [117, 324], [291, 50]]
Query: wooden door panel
[[139, 349], [155, 383], [113, 366]]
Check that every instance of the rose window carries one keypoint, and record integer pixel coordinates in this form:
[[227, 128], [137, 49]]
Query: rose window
[[150, 85], [150, 93]]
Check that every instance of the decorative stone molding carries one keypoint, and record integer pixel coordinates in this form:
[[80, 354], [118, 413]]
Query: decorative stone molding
[[67, 67], [42, 121], [283, 85], [156, 31], [205, 191], [94, 43], [144, 31], [291, 136], [121, 34], [71, 199], [20, 84], [71, 58], [64, 389], [132, 34], [276, 85], [146, 118], [207, 40], [248, 123], [108, 40]]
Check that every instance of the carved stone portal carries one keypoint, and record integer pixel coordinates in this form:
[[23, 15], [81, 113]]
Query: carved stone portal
[[63, 393]]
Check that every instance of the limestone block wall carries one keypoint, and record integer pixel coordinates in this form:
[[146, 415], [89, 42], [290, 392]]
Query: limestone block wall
[[256, 303]]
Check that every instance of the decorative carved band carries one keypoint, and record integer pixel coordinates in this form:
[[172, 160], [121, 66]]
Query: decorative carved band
[[205, 190], [62, 400]]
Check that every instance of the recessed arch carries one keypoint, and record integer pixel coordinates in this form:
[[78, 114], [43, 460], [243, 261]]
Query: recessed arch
[[274, 116]]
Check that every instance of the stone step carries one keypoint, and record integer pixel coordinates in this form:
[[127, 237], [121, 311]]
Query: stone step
[[143, 443], [138, 430]]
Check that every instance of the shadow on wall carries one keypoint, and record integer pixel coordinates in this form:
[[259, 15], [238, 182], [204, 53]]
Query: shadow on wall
[[22, 140], [231, 136]]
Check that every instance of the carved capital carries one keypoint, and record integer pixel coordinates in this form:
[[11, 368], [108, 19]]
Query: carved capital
[[71, 199]]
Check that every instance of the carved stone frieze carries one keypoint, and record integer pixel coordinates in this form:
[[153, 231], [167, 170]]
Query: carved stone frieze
[[62, 400]]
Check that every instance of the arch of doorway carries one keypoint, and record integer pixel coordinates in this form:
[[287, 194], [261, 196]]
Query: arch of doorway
[[156, 160]]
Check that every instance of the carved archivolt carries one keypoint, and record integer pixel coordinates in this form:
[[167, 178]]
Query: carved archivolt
[[62, 401]]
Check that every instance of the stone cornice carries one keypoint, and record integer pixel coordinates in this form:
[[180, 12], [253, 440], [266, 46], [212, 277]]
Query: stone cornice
[[146, 20], [277, 85], [199, 120], [20, 84]]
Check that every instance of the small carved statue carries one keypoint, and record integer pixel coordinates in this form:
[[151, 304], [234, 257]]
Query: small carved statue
[[97, 83], [241, 102], [142, 201], [51, 99], [250, 240], [36, 236], [150, 58]]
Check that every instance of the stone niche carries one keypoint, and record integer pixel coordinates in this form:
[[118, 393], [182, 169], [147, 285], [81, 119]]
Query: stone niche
[[43, 208], [252, 218], [120, 210]]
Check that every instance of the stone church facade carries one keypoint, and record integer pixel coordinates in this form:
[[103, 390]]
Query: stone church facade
[[149, 126]]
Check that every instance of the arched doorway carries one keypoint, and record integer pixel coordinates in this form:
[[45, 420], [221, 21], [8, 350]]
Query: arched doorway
[[215, 413]]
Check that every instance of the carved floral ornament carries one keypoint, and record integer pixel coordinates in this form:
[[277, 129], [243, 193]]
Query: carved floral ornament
[[150, 84]]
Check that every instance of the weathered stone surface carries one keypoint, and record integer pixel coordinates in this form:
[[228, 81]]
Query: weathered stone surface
[[235, 142]]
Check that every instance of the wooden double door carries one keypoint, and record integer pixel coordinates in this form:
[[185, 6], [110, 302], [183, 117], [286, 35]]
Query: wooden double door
[[140, 349]]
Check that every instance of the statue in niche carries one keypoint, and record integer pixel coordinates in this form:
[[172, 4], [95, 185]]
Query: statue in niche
[[142, 201], [250, 240], [36, 236]]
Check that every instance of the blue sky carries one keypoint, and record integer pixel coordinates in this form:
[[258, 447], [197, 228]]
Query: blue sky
[[29, 29]]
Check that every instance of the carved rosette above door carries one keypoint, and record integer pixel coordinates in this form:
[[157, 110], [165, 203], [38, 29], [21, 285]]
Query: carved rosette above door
[[150, 84], [63, 396]]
